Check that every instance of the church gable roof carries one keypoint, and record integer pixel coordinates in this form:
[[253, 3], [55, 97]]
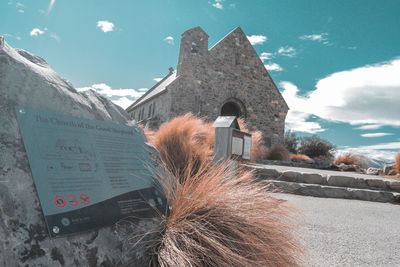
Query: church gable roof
[[240, 38], [219, 47], [157, 89]]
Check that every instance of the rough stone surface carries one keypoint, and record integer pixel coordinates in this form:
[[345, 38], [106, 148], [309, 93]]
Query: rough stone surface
[[387, 169], [325, 183], [311, 178], [27, 80], [230, 73], [332, 192], [373, 171], [317, 164]]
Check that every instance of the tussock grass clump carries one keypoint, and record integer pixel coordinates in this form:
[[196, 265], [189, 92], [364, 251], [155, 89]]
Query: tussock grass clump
[[349, 159], [217, 215], [223, 217], [397, 164], [187, 136], [278, 153], [181, 141], [300, 157]]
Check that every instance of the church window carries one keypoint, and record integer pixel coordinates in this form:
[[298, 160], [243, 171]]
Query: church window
[[154, 107], [237, 59], [194, 48], [149, 113], [197, 104]]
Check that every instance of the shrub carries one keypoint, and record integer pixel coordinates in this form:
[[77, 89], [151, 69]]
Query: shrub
[[300, 157], [278, 153], [349, 159], [316, 147], [397, 165], [214, 220], [290, 141]]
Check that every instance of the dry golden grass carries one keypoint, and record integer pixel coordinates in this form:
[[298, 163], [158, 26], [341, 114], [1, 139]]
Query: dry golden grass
[[223, 217], [186, 136], [349, 159], [182, 140], [397, 164], [218, 215], [301, 157]]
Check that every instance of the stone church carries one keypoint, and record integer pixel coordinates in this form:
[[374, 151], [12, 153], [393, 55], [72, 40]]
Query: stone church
[[227, 79]]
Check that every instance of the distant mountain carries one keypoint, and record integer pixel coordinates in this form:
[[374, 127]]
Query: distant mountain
[[371, 157]]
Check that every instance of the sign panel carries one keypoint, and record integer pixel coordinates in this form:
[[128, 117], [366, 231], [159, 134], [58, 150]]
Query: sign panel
[[237, 146], [246, 147], [88, 173]]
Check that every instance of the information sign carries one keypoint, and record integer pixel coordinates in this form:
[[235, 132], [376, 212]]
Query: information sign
[[247, 147], [88, 173]]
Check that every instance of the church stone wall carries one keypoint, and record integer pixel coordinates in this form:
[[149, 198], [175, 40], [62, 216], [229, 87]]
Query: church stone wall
[[230, 71]]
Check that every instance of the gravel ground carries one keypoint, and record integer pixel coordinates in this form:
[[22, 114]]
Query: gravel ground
[[340, 232]]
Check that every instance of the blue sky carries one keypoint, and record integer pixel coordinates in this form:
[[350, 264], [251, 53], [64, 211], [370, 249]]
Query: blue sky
[[337, 63]]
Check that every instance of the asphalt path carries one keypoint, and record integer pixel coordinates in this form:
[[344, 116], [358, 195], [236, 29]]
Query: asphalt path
[[342, 232]]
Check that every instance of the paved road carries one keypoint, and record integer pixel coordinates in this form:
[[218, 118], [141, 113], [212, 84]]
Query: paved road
[[340, 232]]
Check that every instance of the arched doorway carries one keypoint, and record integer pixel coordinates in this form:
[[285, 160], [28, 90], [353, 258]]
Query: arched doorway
[[231, 109]]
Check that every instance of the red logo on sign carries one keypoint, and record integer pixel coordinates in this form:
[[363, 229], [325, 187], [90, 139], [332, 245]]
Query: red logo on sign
[[73, 200], [85, 199], [60, 201]]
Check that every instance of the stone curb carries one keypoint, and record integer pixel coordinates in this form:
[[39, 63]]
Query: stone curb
[[332, 191], [336, 180]]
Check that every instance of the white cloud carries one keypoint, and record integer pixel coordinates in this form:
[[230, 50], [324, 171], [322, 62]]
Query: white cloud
[[123, 102], [365, 95], [217, 4], [370, 135], [18, 4], [297, 122], [105, 25], [36, 32], [321, 38], [143, 89], [169, 39], [21, 11], [51, 4], [122, 97], [369, 127], [157, 79], [287, 51], [257, 39], [273, 67], [266, 56], [296, 119], [55, 37], [383, 146], [13, 36]]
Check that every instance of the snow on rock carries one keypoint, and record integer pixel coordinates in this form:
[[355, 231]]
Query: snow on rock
[[28, 80]]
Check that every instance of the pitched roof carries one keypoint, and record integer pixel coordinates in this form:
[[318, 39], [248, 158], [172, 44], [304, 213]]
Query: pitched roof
[[157, 89]]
